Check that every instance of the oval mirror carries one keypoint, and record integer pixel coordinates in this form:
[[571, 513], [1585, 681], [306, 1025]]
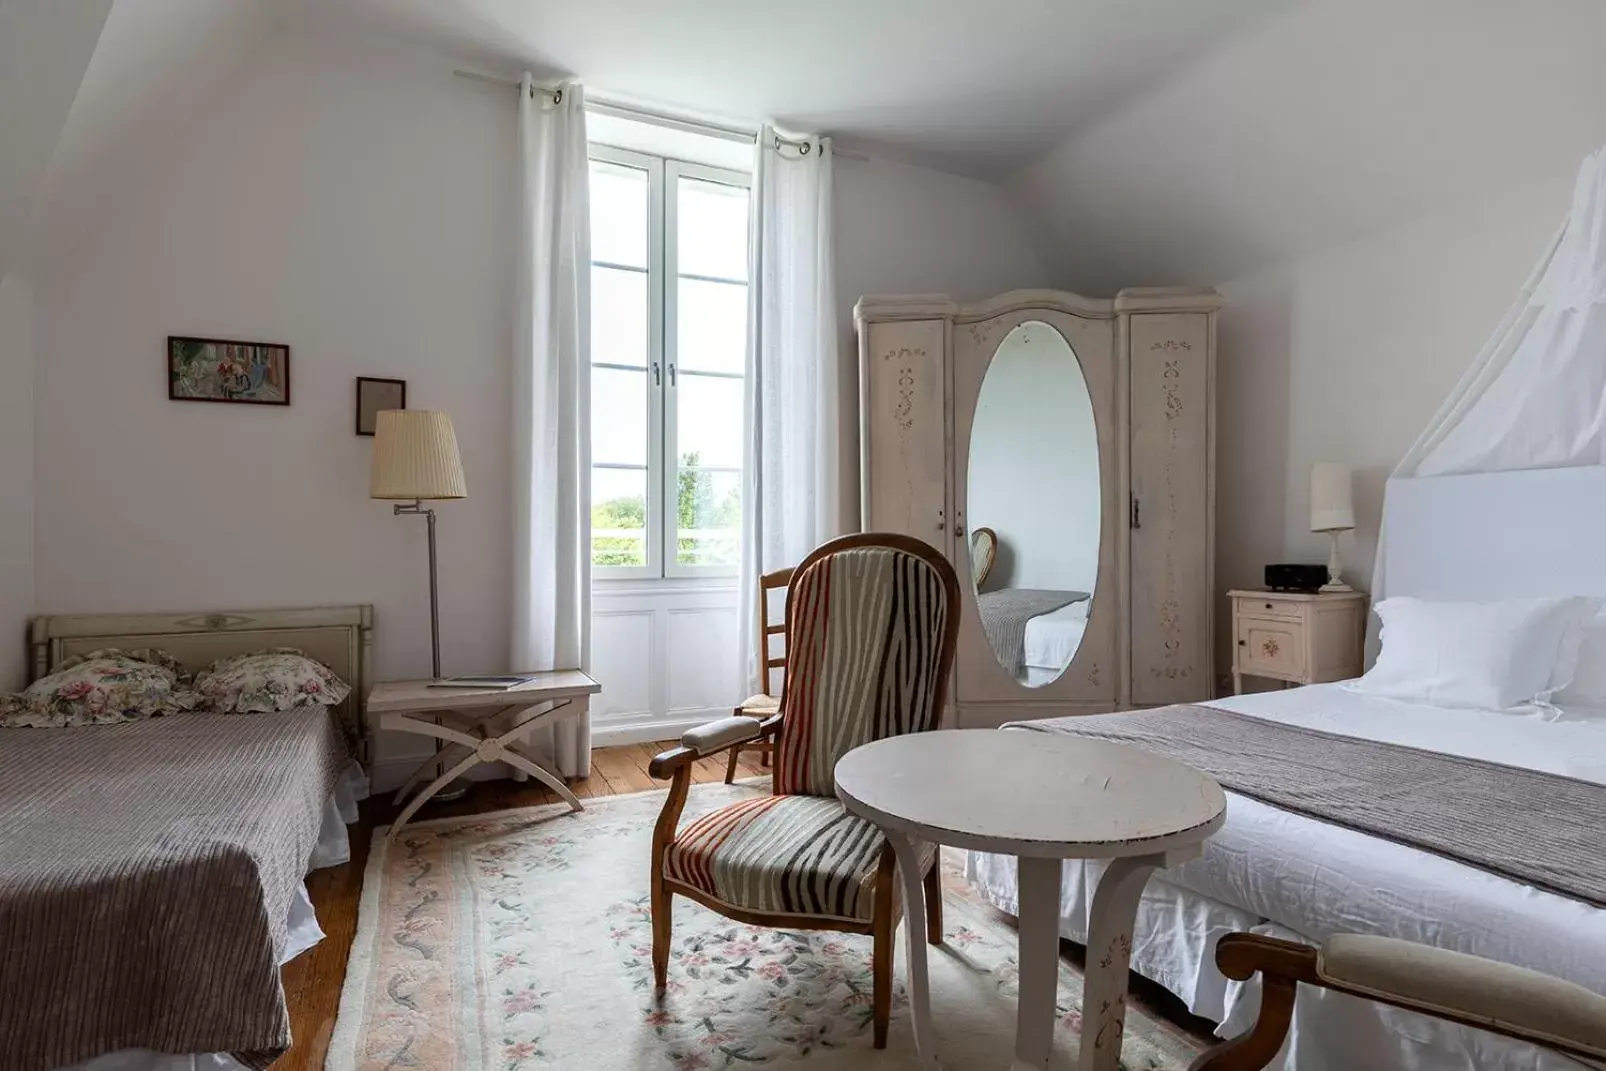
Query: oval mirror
[[1033, 488]]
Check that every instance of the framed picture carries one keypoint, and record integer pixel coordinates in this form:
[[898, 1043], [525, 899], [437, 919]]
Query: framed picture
[[376, 395], [227, 370]]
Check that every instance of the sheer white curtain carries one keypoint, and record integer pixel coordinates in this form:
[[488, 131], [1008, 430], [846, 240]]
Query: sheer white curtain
[[794, 392], [551, 386]]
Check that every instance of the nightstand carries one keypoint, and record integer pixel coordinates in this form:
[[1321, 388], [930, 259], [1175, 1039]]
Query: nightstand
[[1297, 637]]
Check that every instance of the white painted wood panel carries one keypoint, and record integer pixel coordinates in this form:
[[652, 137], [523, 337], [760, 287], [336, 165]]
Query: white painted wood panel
[[1171, 370], [665, 654], [904, 428]]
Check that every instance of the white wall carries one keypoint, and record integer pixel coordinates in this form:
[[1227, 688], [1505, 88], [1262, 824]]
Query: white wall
[[1345, 355], [1034, 464], [908, 230], [353, 199], [16, 474]]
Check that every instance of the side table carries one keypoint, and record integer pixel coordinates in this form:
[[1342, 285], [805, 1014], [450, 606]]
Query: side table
[[479, 725], [1042, 798]]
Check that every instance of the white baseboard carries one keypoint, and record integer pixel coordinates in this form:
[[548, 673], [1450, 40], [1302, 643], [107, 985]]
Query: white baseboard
[[604, 734]]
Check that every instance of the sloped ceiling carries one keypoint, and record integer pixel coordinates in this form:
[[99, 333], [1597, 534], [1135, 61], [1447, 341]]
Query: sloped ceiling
[[976, 86], [156, 63], [1331, 120], [44, 50]]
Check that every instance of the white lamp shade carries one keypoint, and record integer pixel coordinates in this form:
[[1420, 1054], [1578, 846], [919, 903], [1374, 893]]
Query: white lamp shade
[[415, 456], [1332, 508]]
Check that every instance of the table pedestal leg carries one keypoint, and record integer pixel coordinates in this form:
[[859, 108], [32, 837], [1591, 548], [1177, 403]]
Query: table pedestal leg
[[1039, 928], [914, 938], [1109, 957]]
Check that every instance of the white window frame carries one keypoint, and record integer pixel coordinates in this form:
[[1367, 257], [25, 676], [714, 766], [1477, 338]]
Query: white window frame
[[663, 375]]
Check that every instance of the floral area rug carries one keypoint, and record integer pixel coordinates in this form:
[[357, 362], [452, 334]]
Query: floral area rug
[[520, 940]]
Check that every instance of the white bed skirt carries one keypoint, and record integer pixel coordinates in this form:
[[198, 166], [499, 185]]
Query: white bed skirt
[[302, 931], [1175, 945]]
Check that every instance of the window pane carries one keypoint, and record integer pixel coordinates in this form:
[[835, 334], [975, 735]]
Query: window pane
[[618, 516], [711, 221], [618, 417], [709, 421], [619, 317], [619, 214], [709, 516], [711, 326]]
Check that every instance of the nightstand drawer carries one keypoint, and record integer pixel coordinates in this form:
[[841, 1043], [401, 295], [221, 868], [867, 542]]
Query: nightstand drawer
[[1270, 605], [1270, 647]]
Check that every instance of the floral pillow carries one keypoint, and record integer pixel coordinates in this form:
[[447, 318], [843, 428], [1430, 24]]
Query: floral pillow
[[104, 687], [266, 681]]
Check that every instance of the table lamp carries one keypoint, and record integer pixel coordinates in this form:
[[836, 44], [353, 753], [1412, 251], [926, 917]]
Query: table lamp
[[415, 457], [1332, 510]]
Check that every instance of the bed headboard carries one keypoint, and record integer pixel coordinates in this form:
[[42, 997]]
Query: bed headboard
[[341, 637], [1496, 535]]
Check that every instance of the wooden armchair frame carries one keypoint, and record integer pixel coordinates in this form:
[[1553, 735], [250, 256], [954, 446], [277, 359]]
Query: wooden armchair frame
[[1449, 985], [735, 732]]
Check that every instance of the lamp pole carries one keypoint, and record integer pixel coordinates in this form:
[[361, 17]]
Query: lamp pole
[[416, 509]]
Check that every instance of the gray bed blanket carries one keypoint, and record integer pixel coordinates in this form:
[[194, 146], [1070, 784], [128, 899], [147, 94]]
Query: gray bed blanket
[[1004, 615], [146, 871], [1541, 829]]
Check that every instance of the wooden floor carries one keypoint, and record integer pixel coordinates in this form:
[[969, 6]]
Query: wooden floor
[[312, 980]]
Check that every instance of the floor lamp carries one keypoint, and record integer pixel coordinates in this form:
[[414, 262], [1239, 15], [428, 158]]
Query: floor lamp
[[415, 457]]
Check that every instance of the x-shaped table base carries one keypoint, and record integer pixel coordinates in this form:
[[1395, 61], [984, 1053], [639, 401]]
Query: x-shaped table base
[[491, 736]]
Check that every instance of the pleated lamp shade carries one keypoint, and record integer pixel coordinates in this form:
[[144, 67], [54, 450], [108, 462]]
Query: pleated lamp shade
[[1332, 508], [415, 456]]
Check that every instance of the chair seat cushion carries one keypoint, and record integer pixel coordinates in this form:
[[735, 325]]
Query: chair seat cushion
[[783, 855], [760, 705]]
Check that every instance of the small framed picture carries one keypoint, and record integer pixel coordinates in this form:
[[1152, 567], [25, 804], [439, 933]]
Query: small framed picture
[[227, 370], [376, 395]]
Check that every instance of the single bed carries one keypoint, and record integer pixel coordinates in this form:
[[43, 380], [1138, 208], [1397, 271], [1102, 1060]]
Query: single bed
[[155, 942], [1273, 871]]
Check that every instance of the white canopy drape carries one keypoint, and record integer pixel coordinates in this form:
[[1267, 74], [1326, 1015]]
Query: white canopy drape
[[791, 501], [551, 387], [1536, 395]]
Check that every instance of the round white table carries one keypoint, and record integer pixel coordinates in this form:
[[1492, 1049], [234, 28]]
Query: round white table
[[1043, 798]]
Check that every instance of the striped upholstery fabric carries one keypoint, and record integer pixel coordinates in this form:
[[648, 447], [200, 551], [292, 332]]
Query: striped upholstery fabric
[[864, 638], [782, 855]]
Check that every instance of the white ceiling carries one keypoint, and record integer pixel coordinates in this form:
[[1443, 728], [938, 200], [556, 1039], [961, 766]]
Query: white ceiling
[[976, 86], [1311, 129]]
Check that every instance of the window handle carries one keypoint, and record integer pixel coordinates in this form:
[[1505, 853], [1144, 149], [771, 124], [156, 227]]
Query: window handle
[[672, 374], [657, 374]]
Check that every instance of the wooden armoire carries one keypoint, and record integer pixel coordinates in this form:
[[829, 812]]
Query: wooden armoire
[[1147, 360]]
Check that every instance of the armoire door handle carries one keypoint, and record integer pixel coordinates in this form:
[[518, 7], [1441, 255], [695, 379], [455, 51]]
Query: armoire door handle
[[1137, 520], [942, 523]]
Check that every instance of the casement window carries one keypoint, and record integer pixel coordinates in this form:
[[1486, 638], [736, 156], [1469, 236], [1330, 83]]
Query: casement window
[[669, 257]]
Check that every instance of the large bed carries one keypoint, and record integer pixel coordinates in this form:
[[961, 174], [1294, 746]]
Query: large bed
[[1273, 870], [151, 871]]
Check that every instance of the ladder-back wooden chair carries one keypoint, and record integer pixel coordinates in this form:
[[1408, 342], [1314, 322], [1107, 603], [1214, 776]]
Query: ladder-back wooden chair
[[796, 859], [1506, 1000], [771, 629]]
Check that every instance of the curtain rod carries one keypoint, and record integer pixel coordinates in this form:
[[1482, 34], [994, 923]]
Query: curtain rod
[[675, 122]]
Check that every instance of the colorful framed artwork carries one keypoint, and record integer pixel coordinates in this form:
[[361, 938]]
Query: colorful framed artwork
[[376, 395], [227, 370]]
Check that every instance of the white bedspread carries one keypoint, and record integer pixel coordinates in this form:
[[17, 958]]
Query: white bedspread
[[1297, 877], [1052, 638]]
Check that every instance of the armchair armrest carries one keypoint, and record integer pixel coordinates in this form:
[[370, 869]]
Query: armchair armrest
[[1510, 1000], [710, 739], [1503, 999]]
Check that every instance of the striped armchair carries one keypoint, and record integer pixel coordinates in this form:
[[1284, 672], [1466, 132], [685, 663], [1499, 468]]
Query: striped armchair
[[871, 625]]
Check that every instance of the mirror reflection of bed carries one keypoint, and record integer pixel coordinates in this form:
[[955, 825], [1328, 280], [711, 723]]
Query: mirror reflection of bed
[[1033, 488]]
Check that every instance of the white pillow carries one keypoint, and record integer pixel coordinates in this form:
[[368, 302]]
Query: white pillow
[[1501, 655], [1588, 686]]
